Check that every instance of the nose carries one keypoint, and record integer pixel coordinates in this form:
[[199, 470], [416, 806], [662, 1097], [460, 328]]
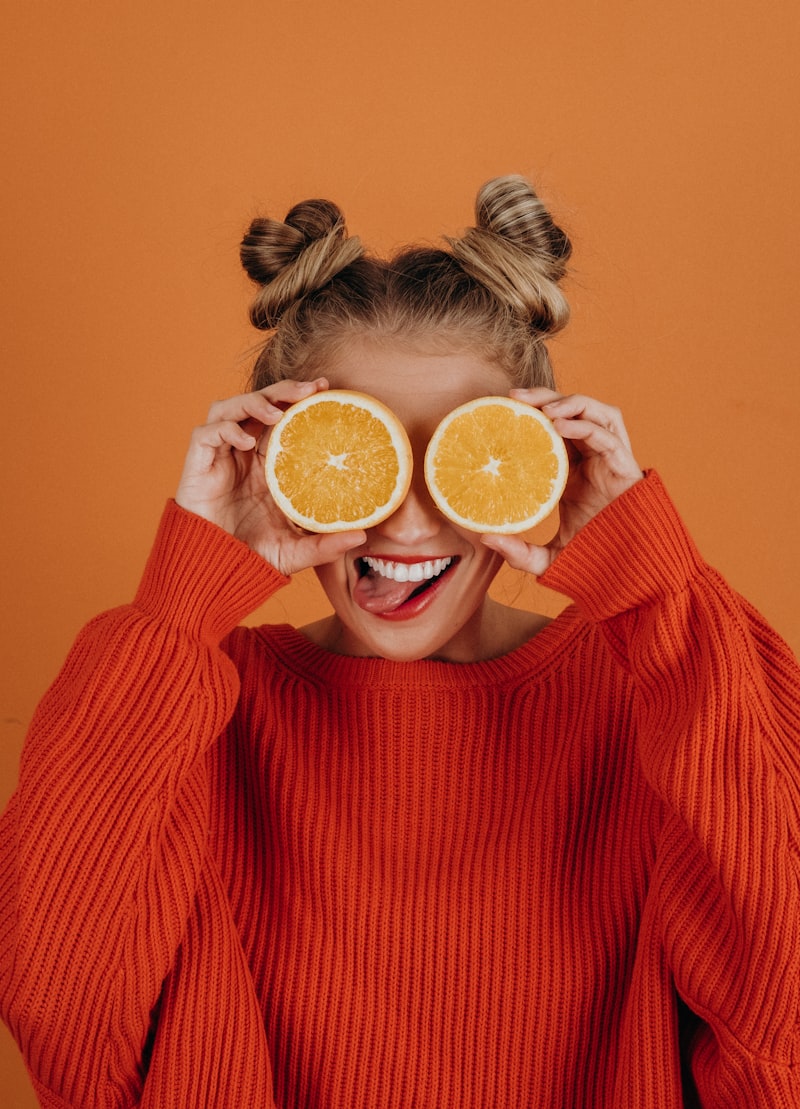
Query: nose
[[416, 520]]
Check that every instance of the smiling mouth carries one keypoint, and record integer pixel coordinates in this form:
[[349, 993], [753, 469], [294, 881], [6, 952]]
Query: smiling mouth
[[385, 586], [407, 571]]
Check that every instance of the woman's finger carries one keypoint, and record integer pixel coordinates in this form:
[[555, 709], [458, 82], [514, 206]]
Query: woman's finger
[[299, 551], [519, 554], [222, 435], [263, 405], [576, 406], [536, 397], [600, 440], [247, 406], [588, 410]]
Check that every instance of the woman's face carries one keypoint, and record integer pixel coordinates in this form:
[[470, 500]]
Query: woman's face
[[376, 612]]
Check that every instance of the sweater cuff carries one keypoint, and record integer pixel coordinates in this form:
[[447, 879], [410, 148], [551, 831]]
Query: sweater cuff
[[633, 553], [202, 580]]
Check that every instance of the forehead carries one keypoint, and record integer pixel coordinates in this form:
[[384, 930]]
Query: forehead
[[419, 386]]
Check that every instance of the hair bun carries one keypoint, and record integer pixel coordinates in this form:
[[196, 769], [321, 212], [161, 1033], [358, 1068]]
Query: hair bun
[[293, 258], [517, 251]]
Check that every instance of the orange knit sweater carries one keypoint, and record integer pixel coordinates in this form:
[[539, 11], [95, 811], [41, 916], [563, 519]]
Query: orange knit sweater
[[240, 871]]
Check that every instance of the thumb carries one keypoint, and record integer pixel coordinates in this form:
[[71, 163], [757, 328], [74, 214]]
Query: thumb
[[519, 554], [333, 545], [317, 549]]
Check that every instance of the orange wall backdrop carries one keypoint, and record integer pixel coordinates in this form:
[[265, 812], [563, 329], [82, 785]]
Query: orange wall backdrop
[[138, 143]]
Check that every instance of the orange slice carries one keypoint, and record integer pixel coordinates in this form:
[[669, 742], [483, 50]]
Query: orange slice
[[496, 465], [338, 460]]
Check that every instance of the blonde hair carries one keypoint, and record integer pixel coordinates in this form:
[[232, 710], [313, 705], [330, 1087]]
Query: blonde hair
[[495, 291]]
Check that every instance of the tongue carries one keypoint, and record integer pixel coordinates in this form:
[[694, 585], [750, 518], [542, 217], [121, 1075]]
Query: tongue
[[376, 594]]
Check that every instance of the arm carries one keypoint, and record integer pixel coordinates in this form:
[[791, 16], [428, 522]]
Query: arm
[[718, 721], [718, 717], [103, 843]]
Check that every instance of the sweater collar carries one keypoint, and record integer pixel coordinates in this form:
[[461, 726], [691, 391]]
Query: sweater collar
[[298, 655]]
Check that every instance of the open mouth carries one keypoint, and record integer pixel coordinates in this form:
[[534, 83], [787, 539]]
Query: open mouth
[[406, 571], [386, 587]]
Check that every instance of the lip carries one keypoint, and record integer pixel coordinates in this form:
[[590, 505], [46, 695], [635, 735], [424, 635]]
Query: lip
[[414, 606], [409, 560]]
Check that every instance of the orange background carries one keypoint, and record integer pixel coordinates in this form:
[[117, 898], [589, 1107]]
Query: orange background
[[137, 146]]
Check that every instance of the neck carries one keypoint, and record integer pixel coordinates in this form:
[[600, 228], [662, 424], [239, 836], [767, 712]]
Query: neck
[[495, 630]]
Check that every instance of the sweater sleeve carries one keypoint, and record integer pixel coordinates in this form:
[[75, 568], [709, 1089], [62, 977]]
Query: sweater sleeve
[[102, 843], [718, 724]]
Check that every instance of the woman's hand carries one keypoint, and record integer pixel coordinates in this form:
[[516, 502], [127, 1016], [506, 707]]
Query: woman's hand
[[602, 467], [223, 480]]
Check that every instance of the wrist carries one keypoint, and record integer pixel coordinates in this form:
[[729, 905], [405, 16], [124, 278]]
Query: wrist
[[200, 579], [632, 553]]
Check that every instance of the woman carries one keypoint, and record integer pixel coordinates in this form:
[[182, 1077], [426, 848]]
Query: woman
[[430, 850]]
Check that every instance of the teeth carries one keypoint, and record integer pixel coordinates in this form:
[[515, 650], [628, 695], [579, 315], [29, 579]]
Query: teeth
[[408, 571]]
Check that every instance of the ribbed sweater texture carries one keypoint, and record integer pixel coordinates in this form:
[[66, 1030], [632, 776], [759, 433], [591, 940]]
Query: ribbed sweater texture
[[241, 871]]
